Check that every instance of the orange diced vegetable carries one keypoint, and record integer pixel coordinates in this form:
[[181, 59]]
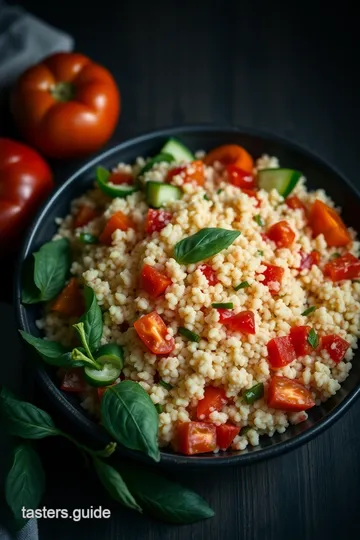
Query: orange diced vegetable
[[231, 154], [117, 221], [70, 301], [325, 220]]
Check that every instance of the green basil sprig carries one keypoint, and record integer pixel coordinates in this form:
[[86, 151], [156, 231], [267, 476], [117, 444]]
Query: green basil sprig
[[92, 319], [203, 244], [46, 275], [130, 416], [51, 352]]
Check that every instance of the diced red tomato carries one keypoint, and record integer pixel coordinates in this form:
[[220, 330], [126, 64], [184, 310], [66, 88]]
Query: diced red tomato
[[73, 381], [294, 203], [282, 234], [156, 220], [214, 399], [120, 177], [325, 220], [241, 322], [308, 259], [280, 352], [84, 215], [70, 302], [195, 438], [273, 277], [154, 282], [101, 389], [193, 172], [117, 221], [153, 332], [345, 267], [209, 273], [288, 395], [335, 345], [225, 434], [240, 178], [299, 336]]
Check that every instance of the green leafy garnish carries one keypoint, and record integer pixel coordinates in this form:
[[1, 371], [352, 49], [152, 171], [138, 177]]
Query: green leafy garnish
[[313, 338], [191, 336], [114, 484], [203, 244], [206, 197], [88, 238], [159, 408], [219, 191], [308, 311], [242, 285], [260, 252], [50, 351], [356, 280], [166, 385], [335, 255], [259, 220], [244, 430], [92, 319], [254, 393], [224, 305]]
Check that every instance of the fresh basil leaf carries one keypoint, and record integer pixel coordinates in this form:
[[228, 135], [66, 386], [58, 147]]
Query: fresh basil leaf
[[114, 484], [164, 499], [92, 319], [51, 352], [25, 481], [129, 415], [203, 244], [313, 338], [25, 420], [52, 263], [30, 294]]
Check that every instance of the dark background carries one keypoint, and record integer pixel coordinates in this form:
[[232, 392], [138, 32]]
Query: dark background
[[291, 71]]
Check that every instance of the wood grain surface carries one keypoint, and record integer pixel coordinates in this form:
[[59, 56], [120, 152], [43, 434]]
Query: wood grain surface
[[288, 71]]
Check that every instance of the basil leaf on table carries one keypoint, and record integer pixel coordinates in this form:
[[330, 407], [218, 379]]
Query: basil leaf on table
[[25, 482], [51, 352], [92, 319], [114, 484], [52, 263], [130, 416], [24, 419], [203, 244], [164, 499]]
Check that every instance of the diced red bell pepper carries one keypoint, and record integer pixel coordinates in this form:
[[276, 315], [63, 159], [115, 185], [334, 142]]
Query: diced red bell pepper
[[299, 339], [309, 259], [84, 215], [73, 381], [273, 277], [214, 399], [345, 267], [241, 322], [282, 234], [153, 332], [280, 352], [117, 221], [294, 203], [209, 273], [193, 172], [240, 178], [225, 434], [288, 395], [156, 220], [335, 345], [121, 177], [154, 282], [195, 438]]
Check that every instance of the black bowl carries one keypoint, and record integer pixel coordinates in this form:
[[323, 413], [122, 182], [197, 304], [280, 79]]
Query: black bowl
[[318, 174]]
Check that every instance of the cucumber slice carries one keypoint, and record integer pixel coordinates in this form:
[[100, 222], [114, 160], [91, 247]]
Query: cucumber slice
[[108, 373], [111, 352], [121, 190], [157, 193], [283, 180], [160, 158], [177, 150]]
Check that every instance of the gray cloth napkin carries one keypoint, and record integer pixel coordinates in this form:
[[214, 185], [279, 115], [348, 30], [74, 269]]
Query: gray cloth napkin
[[24, 40]]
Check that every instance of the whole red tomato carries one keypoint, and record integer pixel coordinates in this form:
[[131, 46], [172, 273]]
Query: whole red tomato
[[66, 106], [25, 181]]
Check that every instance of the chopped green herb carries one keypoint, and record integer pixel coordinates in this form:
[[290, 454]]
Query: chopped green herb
[[313, 338], [166, 385], [245, 430], [219, 191], [254, 393], [242, 285], [335, 255], [225, 305], [356, 280], [206, 197], [259, 220], [308, 311], [191, 336], [159, 408], [260, 252], [87, 238]]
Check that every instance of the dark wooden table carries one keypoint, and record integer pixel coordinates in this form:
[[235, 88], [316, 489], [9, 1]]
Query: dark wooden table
[[253, 64]]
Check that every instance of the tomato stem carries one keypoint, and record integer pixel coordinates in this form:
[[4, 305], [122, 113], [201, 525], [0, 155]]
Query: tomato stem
[[63, 91]]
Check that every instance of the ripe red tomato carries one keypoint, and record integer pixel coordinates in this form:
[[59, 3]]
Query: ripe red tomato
[[154, 282], [25, 181], [73, 381], [280, 352], [345, 267], [225, 434], [299, 336], [152, 331], [156, 220], [84, 215], [70, 301], [273, 277], [66, 105], [308, 259], [289, 395], [294, 203], [336, 346], [282, 234], [119, 177], [195, 438], [241, 322], [240, 178], [214, 399], [209, 273], [193, 172]]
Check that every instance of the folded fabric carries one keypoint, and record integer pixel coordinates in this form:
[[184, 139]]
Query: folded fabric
[[24, 40]]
